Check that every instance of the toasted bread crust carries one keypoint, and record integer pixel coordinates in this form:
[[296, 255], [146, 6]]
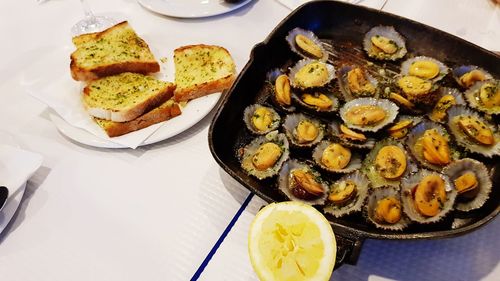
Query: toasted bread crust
[[204, 89], [157, 115], [201, 70], [137, 110], [137, 64]]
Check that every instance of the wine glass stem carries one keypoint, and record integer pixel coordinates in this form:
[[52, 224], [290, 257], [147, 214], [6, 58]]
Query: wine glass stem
[[86, 9]]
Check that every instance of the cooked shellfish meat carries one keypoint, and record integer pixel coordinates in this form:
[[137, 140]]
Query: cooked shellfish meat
[[390, 162], [351, 134], [309, 73], [306, 131], [388, 210], [400, 129], [466, 182], [439, 111], [335, 156], [266, 156], [262, 119], [430, 195], [342, 192], [282, 90], [318, 100], [476, 130], [304, 184], [358, 83], [363, 115], [384, 43], [414, 86], [309, 46], [435, 147]]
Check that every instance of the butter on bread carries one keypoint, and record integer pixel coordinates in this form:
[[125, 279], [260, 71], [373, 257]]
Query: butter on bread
[[165, 111], [112, 51], [201, 70], [126, 96]]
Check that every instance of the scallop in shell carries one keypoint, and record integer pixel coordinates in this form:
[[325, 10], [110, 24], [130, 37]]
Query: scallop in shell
[[468, 75], [384, 43], [387, 163], [348, 137], [347, 195], [429, 143], [427, 196], [417, 90], [280, 89], [368, 114], [264, 156], [471, 180], [303, 131], [485, 96], [335, 158], [473, 132], [402, 126], [300, 182], [447, 98], [261, 119], [385, 210], [308, 73], [355, 82], [425, 68], [306, 44], [317, 101]]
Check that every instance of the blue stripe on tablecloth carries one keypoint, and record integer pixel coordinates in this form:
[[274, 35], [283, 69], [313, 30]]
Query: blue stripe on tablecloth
[[212, 252]]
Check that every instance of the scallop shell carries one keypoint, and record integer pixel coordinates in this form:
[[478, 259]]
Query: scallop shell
[[473, 98], [371, 172], [291, 122], [461, 70], [407, 185], [290, 38], [443, 69], [334, 129], [417, 132], [389, 107], [447, 91], [377, 195], [463, 140], [388, 32], [249, 113], [303, 63], [355, 204], [458, 168], [335, 102], [250, 149], [344, 85], [284, 181], [354, 163]]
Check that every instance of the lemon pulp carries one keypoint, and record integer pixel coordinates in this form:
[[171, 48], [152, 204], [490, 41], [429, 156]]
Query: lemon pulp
[[291, 241]]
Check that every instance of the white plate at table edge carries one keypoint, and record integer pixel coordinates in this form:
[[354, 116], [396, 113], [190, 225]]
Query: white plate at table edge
[[13, 201], [191, 10], [192, 113]]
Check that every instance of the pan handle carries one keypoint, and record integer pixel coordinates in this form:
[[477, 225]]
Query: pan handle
[[348, 249]]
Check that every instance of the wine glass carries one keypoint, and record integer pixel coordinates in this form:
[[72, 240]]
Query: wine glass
[[91, 23]]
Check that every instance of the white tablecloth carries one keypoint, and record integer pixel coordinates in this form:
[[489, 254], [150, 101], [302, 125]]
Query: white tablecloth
[[155, 213]]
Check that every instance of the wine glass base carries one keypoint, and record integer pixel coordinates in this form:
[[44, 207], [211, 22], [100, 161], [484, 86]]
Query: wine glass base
[[92, 24]]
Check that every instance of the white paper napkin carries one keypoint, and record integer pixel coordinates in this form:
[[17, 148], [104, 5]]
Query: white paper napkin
[[16, 167], [376, 4], [49, 80]]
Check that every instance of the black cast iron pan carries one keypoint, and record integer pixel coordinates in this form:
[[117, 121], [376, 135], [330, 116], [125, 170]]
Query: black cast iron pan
[[343, 26]]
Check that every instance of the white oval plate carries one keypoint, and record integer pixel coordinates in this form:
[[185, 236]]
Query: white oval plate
[[192, 113], [191, 8]]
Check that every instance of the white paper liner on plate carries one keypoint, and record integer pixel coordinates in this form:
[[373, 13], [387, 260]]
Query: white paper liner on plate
[[16, 167]]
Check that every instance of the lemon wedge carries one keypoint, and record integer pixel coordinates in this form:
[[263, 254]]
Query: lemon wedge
[[291, 241]]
